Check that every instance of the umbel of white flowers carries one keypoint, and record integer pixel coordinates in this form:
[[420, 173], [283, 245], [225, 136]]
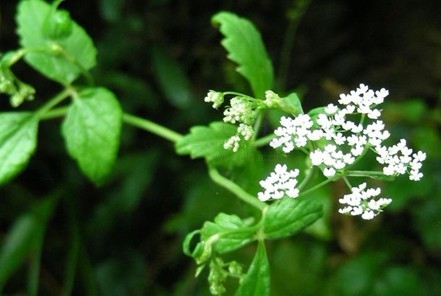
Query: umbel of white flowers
[[346, 142]]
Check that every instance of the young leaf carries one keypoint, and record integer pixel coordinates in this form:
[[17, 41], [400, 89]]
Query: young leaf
[[208, 142], [291, 104], [18, 139], [23, 238], [92, 132], [61, 60], [232, 233], [245, 47], [257, 280], [289, 216]]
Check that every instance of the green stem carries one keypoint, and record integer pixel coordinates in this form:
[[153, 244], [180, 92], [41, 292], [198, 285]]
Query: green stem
[[54, 113], [347, 182], [307, 178], [41, 112], [286, 52], [264, 140], [370, 174], [152, 127], [233, 93], [257, 124], [315, 187], [236, 189]]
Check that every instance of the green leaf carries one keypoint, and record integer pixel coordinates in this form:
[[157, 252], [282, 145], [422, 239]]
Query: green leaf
[[289, 216], [92, 130], [257, 280], [18, 139], [231, 233], [24, 238], [171, 78], [245, 47], [61, 60], [291, 104], [208, 142]]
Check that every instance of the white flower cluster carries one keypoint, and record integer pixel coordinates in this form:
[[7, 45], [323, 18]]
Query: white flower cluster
[[335, 141], [347, 139], [399, 159], [241, 110], [361, 202], [280, 183]]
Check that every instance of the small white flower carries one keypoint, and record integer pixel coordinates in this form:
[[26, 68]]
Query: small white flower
[[331, 109]]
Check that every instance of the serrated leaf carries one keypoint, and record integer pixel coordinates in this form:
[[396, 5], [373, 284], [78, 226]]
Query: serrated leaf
[[18, 139], [245, 47], [91, 130], [231, 231], [257, 279], [172, 79], [23, 238], [289, 216], [61, 60], [208, 142]]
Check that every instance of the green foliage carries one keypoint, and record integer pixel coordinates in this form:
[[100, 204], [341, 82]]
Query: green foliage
[[245, 47], [257, 280], [62, 60], [227, 232], [24, 238], [289, 216], [18, 139], [105, 250], [92, 131], [208, 142]]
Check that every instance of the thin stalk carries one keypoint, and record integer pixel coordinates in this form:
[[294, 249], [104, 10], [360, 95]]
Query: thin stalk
[[236, 189], [41, 112], [347, 182], [264, 140], [152, 127], [315, 187], [370, 174], [307, 178], [54, 113], [258, 124], [290, 34]]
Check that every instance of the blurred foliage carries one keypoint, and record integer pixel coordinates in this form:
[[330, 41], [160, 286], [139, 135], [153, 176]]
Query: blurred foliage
[[160, 57]]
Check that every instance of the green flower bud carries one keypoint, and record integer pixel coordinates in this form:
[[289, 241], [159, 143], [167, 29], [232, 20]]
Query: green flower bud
[[57, 25]]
